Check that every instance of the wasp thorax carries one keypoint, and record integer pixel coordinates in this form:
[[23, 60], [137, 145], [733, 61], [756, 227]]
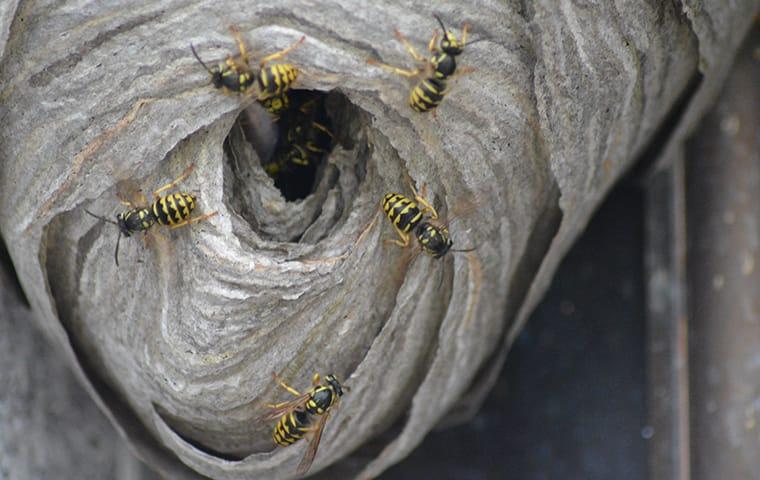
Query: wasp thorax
[[444, 65]]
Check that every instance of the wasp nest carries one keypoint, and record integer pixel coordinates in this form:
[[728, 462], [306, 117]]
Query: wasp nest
[[178, 343]]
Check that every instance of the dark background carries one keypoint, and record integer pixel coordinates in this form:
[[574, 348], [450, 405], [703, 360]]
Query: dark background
[[569, 403]]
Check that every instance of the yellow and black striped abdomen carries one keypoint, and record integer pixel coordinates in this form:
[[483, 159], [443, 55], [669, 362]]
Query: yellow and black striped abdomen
[[401, 211], [427, 94], [291, 427], [173, 208], [276, 79]]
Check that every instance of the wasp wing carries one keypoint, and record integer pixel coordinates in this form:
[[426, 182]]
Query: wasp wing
[[279, 409], [311, 452], [130, 194]]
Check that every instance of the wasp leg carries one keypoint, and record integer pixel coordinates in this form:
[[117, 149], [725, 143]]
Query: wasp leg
[[125, 201], [403, 243], [277, 405], [465, 27], [231, 63], [432, 44], [408, 46], [171, 184], [236, 64], [281, 53], [316, 380], [396, 70], [240, 43], [426, 206], [284, 385], [460, 71], [193, 220]]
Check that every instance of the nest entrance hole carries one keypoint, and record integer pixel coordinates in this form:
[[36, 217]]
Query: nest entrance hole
[[293, 148], [308, 153]]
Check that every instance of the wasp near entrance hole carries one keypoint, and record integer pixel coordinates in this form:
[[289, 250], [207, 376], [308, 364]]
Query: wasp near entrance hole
[[235, 75], [428, 93], [172, 210], [408, 216]]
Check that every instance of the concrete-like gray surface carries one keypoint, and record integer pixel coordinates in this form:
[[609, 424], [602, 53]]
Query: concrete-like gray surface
[[49, 427]]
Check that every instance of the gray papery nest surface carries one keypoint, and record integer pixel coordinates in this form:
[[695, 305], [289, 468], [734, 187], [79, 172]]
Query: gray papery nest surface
[[177, 345]]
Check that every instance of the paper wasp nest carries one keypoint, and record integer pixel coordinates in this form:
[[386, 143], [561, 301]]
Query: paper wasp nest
[[177, 344]]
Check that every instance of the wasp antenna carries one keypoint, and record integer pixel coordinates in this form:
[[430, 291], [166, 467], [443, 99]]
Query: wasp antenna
[[100, 217], [463, 250], [440, 22], [116, 252], [199, 58]]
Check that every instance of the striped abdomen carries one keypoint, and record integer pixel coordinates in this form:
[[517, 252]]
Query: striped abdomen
[[173, 208], [291, 427], [427, 94], [276, 79], [402, 212]]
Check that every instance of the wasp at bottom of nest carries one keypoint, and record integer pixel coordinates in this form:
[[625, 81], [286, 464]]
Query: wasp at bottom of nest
[[172, 210], [407, 217], [305, 415]]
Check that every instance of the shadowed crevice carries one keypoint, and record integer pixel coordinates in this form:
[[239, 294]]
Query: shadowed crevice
[[11, 278]]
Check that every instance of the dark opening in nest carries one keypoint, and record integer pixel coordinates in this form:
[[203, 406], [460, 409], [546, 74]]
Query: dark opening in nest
[[314, 153], [304, 135]]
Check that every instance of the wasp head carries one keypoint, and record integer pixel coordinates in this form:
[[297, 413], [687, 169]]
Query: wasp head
[[335, 384], [124, 221], [449, 43], [216, 76], [215, 73]]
